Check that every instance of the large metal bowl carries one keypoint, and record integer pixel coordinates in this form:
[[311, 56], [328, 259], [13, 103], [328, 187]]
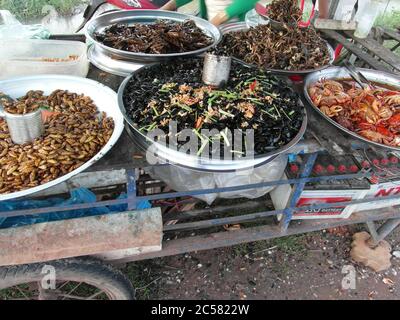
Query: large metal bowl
[[383, 78], [196, 162], [106, 63], [242, 26], [104, 98], [147, 17]]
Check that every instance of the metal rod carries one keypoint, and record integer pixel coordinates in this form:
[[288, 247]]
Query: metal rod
[[256, 185], [385, 229], [298, 189], [218, 221], [247, 205], [372, 230], [264, 232], [240, 219], [15, 213], [131, 189]]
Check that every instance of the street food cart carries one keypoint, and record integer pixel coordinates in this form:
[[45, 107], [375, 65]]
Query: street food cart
[[332, 178]]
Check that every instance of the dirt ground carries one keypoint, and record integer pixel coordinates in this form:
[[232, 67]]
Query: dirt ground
[[296, 267]]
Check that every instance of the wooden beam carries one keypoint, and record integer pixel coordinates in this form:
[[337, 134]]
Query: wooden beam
[[392, 34], [116, 232], [334, 24], [380, 51], [375, 64]]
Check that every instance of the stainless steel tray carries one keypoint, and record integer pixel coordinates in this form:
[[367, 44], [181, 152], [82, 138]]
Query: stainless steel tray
[[338, 72], [147, 16], [194, 162], [242, 26], [107, 63]]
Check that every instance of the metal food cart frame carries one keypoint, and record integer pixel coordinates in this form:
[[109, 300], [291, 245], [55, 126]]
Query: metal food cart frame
[[315, 142]]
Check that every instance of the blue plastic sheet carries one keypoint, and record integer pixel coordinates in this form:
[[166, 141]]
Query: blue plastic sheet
[[77, 196]]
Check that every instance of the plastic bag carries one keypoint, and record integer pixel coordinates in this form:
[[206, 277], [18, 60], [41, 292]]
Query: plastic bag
[[11, 28], [269, 172], [77, 196], [253, 19], [182, 179]]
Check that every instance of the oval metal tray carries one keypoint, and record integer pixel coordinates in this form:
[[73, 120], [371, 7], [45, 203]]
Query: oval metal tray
[[195, 162], [147, 16], [104, 98], [242, 26], [106, 63], [340, 73]]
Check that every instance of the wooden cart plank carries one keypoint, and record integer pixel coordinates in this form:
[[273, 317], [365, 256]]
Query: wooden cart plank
[[392, 34], [354, 49], [265, 232], [334, 24], [376, 48], [111, 235]]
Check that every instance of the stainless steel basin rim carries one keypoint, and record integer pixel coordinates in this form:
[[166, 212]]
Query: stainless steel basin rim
[[148, 16], [196, 162]]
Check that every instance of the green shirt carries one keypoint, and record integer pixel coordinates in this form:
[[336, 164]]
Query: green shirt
[[238, 8]]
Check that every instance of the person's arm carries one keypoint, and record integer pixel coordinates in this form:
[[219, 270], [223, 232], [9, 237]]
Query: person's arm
[[174, 4], [235, 9], [323, 8], [239, 7]]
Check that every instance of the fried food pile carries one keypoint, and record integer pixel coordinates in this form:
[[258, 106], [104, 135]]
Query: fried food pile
[[373, 112], [161, 37], [290, 49], [74, 132]]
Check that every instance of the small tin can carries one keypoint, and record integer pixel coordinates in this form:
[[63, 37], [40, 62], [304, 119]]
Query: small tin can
[[23, 128], [216, 70]]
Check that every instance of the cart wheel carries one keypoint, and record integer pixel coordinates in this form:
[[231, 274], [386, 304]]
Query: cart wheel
[[70, 279]]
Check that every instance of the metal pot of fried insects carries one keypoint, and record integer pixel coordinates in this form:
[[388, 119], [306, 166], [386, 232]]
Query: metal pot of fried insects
[[25, 122], [254, 118]]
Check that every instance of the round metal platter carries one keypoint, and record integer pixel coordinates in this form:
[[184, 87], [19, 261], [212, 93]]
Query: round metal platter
[[242, 26], [104, 98], [131, 17], [378, 77], [195, 162], [115, 65]]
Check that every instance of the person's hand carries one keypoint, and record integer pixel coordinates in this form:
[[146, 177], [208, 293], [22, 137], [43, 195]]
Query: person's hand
[[219, 19], [170, 6]]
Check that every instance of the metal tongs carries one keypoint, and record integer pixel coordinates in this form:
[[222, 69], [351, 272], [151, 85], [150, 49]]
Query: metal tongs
[[357, 76]]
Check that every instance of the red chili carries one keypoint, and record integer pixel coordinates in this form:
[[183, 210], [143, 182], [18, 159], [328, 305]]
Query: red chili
[[394, 120], [384, 131], [253, 85]]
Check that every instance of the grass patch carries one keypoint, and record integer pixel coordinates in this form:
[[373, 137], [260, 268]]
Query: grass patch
[[391, 21], [146, 278], [289, 245], [33, 9]]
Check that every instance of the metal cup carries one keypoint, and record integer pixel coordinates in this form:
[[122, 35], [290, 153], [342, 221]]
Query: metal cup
[[216, 70], [23, 128]]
